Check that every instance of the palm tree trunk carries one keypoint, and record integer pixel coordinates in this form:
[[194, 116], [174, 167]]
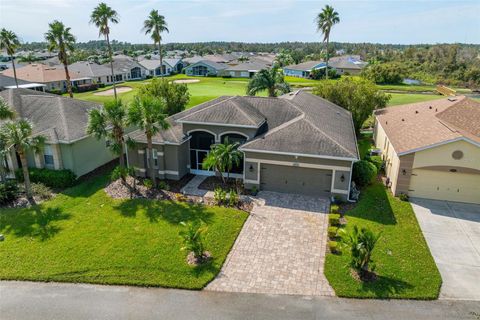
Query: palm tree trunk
[[122, 151], [14, 70], [26, 176], [150, 160], [161, 57], [271, 92], [326, 60], [67, 75], [110, 54]]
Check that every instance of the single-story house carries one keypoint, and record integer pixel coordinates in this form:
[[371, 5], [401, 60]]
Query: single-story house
[[125, 68], [52, 77], [205, 68], [296, 143], [63, 121], [432, 149], [99, 73], [352, 65], [302, 70], [244, 70], [169, 65]]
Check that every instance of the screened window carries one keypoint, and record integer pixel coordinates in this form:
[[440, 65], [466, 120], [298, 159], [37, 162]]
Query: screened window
[[48, 156]]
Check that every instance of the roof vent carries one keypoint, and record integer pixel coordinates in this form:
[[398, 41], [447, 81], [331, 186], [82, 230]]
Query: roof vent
[[403, 119], [430, 107], [416, 111], [452, 99], [436, 109]]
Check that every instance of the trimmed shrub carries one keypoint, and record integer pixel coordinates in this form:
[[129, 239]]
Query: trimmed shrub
[[148, 184], [364, 172], [377, 161], [333, 246], [56, 179], [334, 208], [162, 185], [8, 192], [233, 198], [332, 232], [334, 219], [403, 197]]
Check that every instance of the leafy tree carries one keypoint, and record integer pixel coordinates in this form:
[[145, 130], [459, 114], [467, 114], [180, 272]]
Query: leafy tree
[[18, 135], [359, 96], [148, 113], [60, 38], [364, 172], [284, 58], [382, 73], [192, 238], [10, 43], [325, 21], [222, 157], [271, 80], [155, 25], [100, 17], [361, 243], [110, 123], [175, 95], [28, 58]]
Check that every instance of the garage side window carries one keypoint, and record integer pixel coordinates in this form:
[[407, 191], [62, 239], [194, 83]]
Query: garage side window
[[48, 156]]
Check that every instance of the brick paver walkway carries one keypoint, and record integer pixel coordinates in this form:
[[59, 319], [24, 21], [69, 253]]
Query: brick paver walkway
[[280, 250]]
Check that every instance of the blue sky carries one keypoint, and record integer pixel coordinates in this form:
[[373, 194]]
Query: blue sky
[[402, 22]]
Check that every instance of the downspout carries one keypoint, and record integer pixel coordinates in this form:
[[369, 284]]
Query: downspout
[[350, 184]]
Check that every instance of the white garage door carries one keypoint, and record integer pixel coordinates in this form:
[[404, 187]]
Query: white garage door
[[441, 185]]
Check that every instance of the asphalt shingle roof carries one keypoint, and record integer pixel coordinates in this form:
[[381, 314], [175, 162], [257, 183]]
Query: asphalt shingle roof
[[59, 118], [304, 66]]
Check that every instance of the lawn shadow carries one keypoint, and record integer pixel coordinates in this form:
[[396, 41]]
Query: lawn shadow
[[171, 211], [208, 266], [374, 205], [34, 222], [385, 287]]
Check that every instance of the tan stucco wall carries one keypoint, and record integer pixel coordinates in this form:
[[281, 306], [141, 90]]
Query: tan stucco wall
[[442, 155]]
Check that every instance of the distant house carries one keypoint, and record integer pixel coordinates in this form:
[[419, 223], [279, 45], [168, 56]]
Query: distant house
[[347, 64], [205, 68], [125, 68], [97, 72], [303, 70], [244, 70], [52, 77], [63, 121], [432, 149], [170, 65], [9, 83]]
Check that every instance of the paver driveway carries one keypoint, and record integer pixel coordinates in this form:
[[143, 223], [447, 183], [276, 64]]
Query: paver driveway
[[452, 231], [281, 248]]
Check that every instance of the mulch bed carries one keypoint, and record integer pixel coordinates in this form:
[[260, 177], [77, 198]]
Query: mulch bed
[[177, 185], [193, 261], [119, 190], [213, 182], [366, 276]]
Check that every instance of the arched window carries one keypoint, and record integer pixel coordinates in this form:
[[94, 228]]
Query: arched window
[[233, 138], [200, 143]]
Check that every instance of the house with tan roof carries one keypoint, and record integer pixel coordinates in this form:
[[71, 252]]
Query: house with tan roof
[[53, 77], [432, 149]]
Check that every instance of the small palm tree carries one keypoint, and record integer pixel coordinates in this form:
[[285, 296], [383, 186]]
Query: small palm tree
[[100, 17], [5, 113], [222, 157], [156, 24], [325, 21], [148, 113], [271, 80], [192, 238], [110, 123], [9, 42], [59, 38], [18, 136]]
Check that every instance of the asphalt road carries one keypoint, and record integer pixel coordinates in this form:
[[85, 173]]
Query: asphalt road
[[27, 300]]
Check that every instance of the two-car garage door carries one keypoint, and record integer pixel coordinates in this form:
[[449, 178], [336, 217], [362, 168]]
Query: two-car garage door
[[441, 185], [298, 180]]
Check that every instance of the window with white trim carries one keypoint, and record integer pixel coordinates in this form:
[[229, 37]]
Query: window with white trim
[[155, 157], [48, 156]]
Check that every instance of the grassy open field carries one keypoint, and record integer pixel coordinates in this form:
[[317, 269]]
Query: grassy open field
[[83, 235]]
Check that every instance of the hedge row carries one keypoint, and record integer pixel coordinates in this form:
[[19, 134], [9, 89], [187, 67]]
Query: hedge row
[[57, 179]]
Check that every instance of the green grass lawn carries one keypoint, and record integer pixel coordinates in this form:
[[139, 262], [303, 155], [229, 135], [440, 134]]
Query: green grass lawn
[[83, 235], [406, 98]]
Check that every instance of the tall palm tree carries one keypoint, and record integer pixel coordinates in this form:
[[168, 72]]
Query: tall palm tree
[[148, 113], [18, 136], [156, 24], [271, 80], [110, 123], [100, 17], [9, 42], [59, 38], [325, 21], [222, 157]]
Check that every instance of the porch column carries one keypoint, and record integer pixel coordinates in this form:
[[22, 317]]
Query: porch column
[[57, 157]]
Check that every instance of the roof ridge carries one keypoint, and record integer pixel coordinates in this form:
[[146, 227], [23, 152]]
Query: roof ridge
[[239, 108], [328, 136], [63, 118], [229, 98], [282, 126]]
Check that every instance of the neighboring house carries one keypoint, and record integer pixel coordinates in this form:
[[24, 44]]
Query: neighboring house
[[244, 70], [303, 69], [205, 68], [432, 149], [297, 143], [52, 77], [352, 65], [170, 65], [125, 69], [63, 121], [99, 73], [9, 83]]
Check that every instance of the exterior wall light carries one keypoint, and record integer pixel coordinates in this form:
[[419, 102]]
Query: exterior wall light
[[250, 168], [342, 178], [404, 172]]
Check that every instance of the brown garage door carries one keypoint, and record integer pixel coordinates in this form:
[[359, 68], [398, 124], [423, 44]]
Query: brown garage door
[[298, 180]]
